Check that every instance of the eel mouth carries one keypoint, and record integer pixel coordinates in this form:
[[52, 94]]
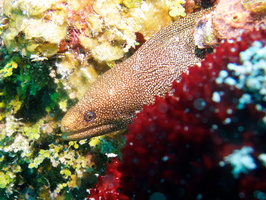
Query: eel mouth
[[90, 132]]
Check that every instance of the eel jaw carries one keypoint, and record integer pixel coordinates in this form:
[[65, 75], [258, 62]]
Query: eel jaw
[[91, 132]]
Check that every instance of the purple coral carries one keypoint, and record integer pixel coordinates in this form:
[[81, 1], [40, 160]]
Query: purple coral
[[202, 142]]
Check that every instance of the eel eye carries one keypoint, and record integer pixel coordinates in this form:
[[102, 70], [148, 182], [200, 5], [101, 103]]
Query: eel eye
[[89, 116]]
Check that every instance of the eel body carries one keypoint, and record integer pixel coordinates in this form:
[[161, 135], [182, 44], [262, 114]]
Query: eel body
[[110, 104]]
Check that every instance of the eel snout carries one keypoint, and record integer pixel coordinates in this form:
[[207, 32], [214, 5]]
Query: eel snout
[[86, 120], [113, 99]]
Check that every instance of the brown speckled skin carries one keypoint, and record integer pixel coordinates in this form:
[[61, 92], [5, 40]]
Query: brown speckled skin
[[120, 92]]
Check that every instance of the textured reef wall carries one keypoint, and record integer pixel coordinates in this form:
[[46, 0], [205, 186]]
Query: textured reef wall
[[206, 140], [51, 51], [228, 20]]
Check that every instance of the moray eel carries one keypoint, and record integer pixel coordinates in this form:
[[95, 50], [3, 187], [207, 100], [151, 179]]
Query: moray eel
[[112, 101]]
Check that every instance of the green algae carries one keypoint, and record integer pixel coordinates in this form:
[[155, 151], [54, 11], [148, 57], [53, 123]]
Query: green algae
[[8, 69], [45, 165], [4, 180], [33, 158], [35, 90], [23, 86]]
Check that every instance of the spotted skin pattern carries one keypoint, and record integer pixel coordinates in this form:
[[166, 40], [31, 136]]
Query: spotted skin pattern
[[114, 98]]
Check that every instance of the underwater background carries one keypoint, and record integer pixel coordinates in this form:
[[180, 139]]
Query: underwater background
[[205, 140]]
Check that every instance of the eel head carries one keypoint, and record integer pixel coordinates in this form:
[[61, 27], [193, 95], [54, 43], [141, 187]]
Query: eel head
[[99, 112], [82, 122]]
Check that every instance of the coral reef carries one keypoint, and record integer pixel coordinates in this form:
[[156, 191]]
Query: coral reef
[[106, 31], [88, 36], [34, 161], [51, 51], [255, 6], [205, 140], [34, 28], [228, 20]]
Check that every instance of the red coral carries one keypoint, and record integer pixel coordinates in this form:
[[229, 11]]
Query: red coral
[[109, 184], [176, 147]]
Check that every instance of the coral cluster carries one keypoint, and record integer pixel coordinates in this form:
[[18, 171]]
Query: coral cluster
[[34, 28], [88, 36], [205, 140], [105, 31], [52, 51], [228, 20], [255, 6], [34, 161], [47, 49]]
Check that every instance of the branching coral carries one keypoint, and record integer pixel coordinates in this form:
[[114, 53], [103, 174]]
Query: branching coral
[[204, 141]]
